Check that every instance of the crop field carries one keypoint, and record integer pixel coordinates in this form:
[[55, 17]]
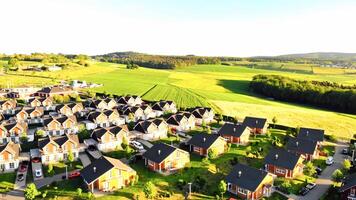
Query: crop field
[[225, 88]]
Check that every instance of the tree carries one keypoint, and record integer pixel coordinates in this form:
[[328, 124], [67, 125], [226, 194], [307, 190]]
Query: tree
[[70, 157], [79, 192], [31, 191], [125, 143], [346, 164], [150, 190], [50, 169], [212, 153], [203, 124], [222, 188], [219, 118], [208, 130], [13, 63], [309, 169], [40, 133], [274, 120], [24, 138], [337, 175]]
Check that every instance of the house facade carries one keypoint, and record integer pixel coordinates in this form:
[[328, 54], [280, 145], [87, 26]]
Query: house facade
[[60, 125], [180, 122], [151, 129], [9, 156], [235, 133], [256, 125], [12, 131], [201, 144], [203, 114], [348, 188], [110, 138], [307, 148]]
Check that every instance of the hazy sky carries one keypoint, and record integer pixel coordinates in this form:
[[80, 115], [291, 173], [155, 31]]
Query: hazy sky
[[200, 27]]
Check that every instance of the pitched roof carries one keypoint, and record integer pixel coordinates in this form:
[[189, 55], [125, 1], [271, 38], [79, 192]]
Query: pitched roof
[[301, 145], [159, 152], [282, 158], [55, 89], [235, 130], [14, 148], [311, 134], [60, 140], [254, 122], [246, 177], [97, 133], [100, 166], [157, 107], [348, 182], [142, 126], [203, 140], [176, 119]]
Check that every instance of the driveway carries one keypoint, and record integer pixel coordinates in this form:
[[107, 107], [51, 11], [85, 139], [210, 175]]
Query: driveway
[[36, 166], [13, 195], [84, 158], [21, 184], [48, 180], [324, 181], [145, 143]]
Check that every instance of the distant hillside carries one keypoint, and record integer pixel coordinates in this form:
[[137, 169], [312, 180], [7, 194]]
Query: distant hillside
[[336, 56]]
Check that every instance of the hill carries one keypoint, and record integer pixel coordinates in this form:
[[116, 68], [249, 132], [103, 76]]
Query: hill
[[335, 56]]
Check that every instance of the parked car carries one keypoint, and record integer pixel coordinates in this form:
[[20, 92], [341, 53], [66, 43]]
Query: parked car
[[329, 160], [36, 159], [20, 177], [304, 191], [345, 151], [91, 148], [310, 186], [137, 145], [22, 168], [38, 173], [74, 175], [318, 170]]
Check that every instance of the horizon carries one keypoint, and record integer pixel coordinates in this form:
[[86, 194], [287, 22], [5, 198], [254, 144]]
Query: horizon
[[224, 28]]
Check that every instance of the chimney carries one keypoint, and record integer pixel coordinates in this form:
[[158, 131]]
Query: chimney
[[234, 129], [296, 143], [256, 121], [159, 152], [204, 139], [307, 132], [94, 169], [276, 156], [240, 173]]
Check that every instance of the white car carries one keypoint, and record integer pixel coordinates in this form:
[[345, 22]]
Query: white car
[[137, 145], [329, 160], [38, 173]]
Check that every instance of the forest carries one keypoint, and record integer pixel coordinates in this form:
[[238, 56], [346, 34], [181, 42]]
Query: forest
[[325, 94]]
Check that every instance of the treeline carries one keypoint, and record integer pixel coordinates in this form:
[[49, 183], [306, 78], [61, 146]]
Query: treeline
[[323, 94], [161, 61]]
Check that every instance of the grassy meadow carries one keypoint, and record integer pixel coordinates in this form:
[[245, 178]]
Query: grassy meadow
[[225, 88]]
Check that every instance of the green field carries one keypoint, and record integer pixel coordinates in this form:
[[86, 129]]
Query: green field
[[225, 88]]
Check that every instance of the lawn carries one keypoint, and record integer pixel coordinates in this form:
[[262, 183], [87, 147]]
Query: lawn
[[60, 167], [64, 190], [224, 88], [7, 181]]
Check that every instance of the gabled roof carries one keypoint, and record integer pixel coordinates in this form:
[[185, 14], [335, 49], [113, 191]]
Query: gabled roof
[[299, 145], [254, 122], [59, 140], [157, 107], [348, 182], [97, 133], [159, 152], [13, 148], [142, 126], [235, 130], [203, 140], [55, 89], [311, 134], [158, 121], [176, 119], [282, 158], [100, 166], [93, 115], [246, 177]]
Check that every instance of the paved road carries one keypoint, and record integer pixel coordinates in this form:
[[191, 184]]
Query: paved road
[[21, 184], [84, 158], [48, 180], [13, 195], [323, 182]]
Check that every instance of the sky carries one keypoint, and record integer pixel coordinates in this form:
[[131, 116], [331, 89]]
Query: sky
[[178, 27]]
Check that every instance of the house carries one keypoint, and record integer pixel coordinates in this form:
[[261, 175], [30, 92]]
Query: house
[[30, 115], [110, 138], [106, 118], [103, 104], [57, 148], [129, 100], [114, 117], [153, 129], [165, 106], [257, 125], [111, 103], [202, 114], [78, 84], [147, 112], [22, 92], [180, 122], [284, 163], [55, 90], [202, 143], [235, 133], [76, 107], [12, 131], [107, 174], [312, 134], [9, 156], [38, 102], [7, 106], [249, 183], [165, 158], [348, 188], [60, 125], [54, 68], [134, 113], [305, 147]]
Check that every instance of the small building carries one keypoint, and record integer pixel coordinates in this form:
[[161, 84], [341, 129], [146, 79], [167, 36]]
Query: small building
[[55, 149], [9, 156], [180, 122], [129, 100], [164, 107], [201, 144], [29, 115], [257, 125], [165, 158], [312, 134], [235, 133], [7, 106], [22, 92], [154, 129], [305, 147], [60, 125], [283, 163], [134, 113], [12, 131], [348, 187], [41, 102], [54, 68], [203, 114], [148, 113], [110, 138], [249, 183], [107, 174], [55, 90]]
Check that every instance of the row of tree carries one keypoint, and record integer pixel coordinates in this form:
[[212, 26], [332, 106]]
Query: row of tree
[[332, 96]]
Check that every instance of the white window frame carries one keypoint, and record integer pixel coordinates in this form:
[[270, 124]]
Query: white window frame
[[241, 191], [280, 171]]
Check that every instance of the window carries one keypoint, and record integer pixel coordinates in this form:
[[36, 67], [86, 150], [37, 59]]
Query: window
[[280, 171], [197, 149], [242, 191], [151, 163], [11, 156], [12, 165], [1, 157]]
